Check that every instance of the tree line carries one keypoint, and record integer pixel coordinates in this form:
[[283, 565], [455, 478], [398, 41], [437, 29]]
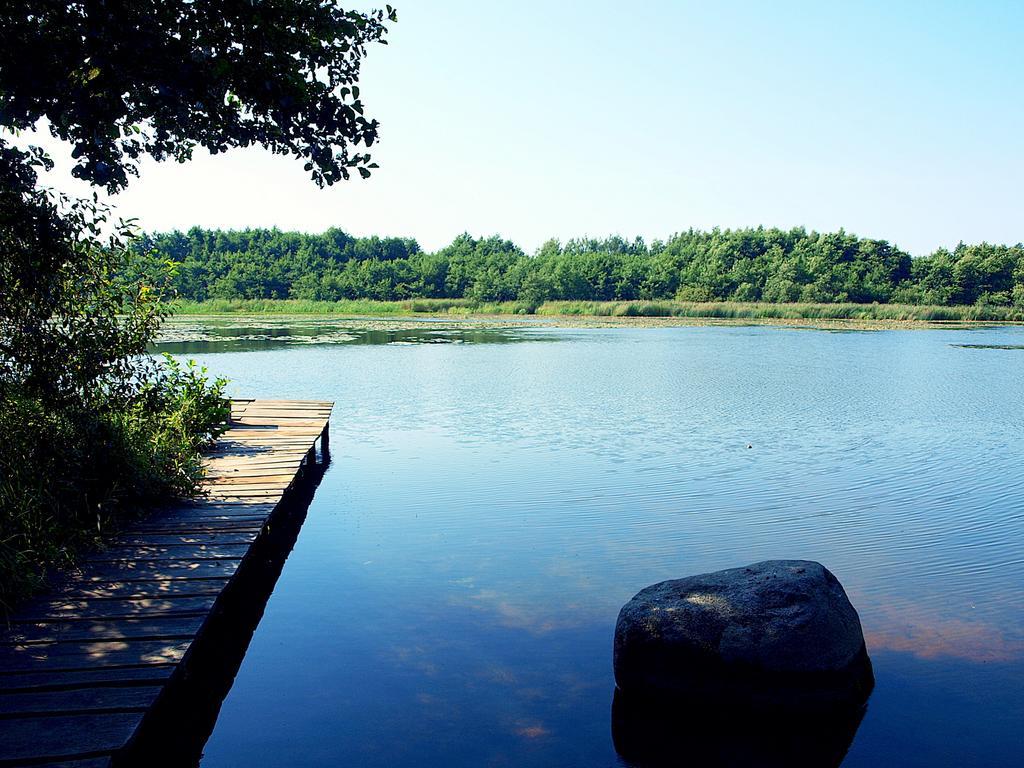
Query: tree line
[[767, 265]]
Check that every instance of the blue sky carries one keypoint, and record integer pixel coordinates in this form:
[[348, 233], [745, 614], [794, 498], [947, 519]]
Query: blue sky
[[533, 120]]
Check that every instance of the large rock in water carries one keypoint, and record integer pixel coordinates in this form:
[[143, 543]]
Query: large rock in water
[[780, 633]]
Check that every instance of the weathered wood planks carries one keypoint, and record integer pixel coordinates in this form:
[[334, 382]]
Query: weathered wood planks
[[82, 667]]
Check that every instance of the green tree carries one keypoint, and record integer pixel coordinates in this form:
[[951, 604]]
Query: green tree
[[741, 265], [160, 77], [71, 328], [120, 81]]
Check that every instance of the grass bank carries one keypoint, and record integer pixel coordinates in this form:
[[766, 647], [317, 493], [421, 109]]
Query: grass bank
[[683, 309]]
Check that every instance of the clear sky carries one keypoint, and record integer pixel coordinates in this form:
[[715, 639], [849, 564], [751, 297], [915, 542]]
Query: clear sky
[[898, 120]]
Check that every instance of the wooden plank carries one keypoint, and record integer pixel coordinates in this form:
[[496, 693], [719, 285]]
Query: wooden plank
[[308, 426], [262, 407], [61, 679], [283, 405], [290, 458], [65, 737], [237, 515], [71, 609], [254, 484], [271, 476], [93, 655], [251, 456], [229, 474], [240, 433], [243, 524], [310, 421], [238, 449], [215, 493], [285, 439], [227, 469], [277, 476], [299, 405], [151, 539], [226, 494], [156, 570], [81, 666], [102, 630], [224, 514], [285, 461], [141, 589], [213, 509], [207, 507], [306, 421], [242, 455], [239, 491], [181, 551], [218, 512], [135, 698], [86, 762], [237, 446]]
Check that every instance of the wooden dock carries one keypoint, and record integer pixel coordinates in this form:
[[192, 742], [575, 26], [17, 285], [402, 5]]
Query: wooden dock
[[107, 668]]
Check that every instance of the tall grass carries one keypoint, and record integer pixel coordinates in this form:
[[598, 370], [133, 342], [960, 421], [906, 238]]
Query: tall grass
[[69, 475], [720, 310], [311, 307], [795, 311]]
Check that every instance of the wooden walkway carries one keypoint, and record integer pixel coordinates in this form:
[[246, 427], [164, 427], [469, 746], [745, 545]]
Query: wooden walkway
[[83, 667]]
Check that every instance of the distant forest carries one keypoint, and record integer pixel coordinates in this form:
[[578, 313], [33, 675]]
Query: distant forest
[[769, 265]]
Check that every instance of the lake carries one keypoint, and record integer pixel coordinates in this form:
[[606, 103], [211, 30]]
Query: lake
[[496, 495]]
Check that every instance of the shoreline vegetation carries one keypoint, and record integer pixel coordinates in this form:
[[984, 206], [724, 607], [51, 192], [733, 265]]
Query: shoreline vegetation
[[725, 274], [95, 431], [910, 314]]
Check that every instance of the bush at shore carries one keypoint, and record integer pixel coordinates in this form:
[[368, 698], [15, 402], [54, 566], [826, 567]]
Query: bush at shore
[[72, 475], [93, 429]]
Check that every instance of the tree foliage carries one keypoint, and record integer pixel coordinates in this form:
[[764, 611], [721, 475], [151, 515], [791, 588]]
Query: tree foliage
[[74, 329], [769, 265], [93, 426], [120, 80]]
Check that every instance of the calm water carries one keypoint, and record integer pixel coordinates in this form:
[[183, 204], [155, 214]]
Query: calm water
[[492, 503]]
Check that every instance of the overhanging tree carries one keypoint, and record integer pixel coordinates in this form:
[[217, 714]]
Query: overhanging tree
[[121, 80]]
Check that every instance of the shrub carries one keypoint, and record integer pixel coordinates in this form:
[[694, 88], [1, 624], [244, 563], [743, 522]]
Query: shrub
[[94, 429]]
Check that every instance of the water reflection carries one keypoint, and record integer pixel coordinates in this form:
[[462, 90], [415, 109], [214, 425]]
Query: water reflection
[[184, 337], [176, 728], [652, 735], [452, 598], [931, 633]]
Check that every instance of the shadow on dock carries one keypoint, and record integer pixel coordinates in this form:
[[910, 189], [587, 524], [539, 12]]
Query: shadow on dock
[[652, 735], [176, 728]]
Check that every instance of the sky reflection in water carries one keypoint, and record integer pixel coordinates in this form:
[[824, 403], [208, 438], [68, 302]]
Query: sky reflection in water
[[493, 502]]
